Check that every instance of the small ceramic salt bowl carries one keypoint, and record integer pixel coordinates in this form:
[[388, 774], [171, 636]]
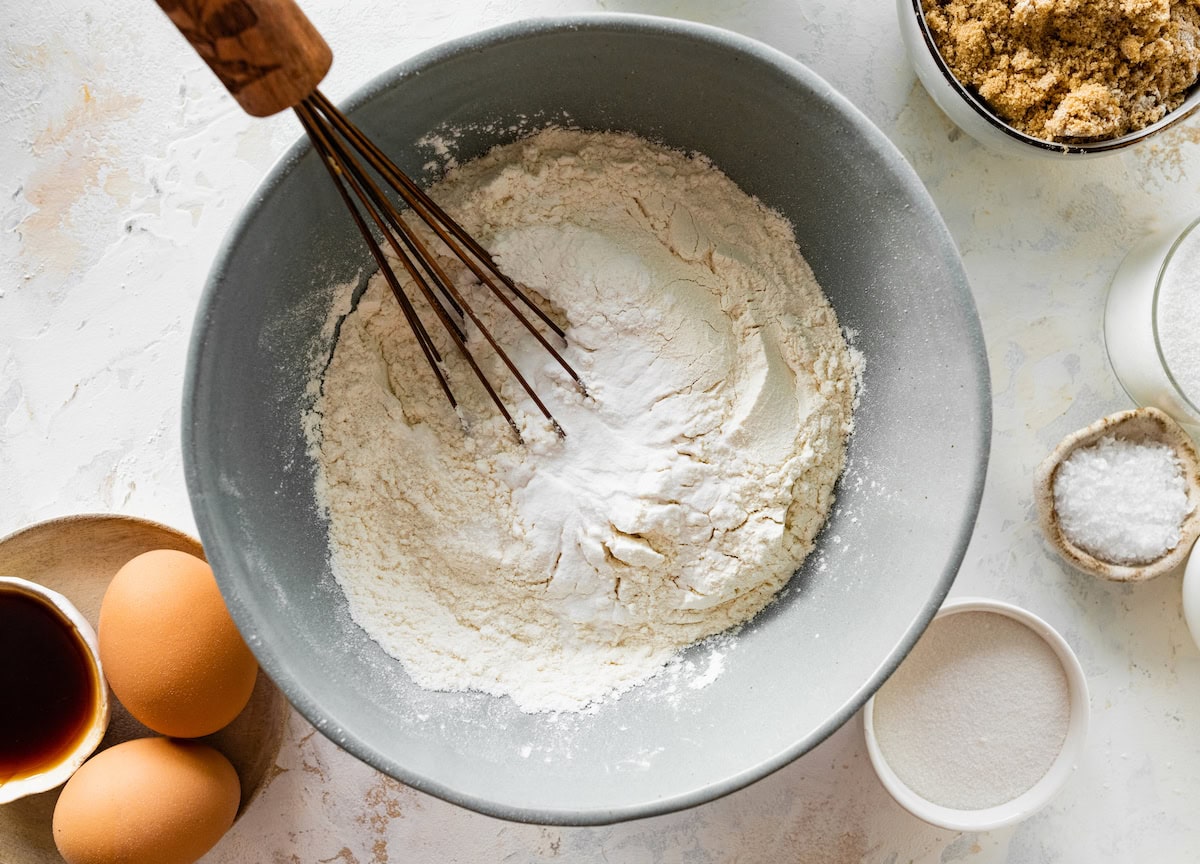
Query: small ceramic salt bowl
[[971, 114], [58, 770], [1037, 796], [1137, 425]]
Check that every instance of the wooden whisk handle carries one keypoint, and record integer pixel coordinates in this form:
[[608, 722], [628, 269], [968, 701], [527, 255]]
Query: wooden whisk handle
[[266, 52]]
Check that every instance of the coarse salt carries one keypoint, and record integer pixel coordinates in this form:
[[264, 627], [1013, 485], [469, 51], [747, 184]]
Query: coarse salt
[[1122, 501]]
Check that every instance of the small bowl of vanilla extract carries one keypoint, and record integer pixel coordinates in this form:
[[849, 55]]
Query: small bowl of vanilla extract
[[50, 675]]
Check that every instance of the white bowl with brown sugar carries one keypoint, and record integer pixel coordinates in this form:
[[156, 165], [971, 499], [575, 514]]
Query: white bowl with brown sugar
[[1056, 78]]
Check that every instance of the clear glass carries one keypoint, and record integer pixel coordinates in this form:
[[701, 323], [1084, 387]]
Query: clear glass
[[1169, 270], [1132, 333]]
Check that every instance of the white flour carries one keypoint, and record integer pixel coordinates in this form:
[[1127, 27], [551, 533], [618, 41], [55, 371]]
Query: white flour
[[690, 485]]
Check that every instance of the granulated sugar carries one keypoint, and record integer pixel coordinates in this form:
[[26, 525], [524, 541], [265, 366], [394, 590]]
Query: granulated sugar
[[1122, 501], [977, 713]]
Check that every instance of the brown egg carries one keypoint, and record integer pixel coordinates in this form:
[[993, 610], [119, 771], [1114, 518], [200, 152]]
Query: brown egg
[[170, 649], [146, 801]]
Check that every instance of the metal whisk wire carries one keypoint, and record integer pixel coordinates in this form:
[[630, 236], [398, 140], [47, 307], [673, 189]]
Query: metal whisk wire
[[343, 149], [271, 58]]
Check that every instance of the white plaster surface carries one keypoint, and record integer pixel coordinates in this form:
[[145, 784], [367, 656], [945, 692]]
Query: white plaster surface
[[124, 163]]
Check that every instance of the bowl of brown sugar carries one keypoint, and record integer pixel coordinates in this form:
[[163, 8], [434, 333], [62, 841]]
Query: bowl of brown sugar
[[1057, 77]]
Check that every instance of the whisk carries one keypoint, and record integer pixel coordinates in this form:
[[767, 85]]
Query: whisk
[[271, 58]]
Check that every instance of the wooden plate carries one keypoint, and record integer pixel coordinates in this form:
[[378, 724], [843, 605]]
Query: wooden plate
[[77, 556]]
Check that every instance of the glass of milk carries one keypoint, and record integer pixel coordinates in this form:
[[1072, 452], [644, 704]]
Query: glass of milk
[[1152, 323]]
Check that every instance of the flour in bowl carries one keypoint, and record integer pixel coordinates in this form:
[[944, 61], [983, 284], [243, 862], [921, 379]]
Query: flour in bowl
[[692, 480]]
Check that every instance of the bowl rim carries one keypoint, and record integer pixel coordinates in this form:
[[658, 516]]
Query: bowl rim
[[1190, 105], [1041, 792], [284, 672]]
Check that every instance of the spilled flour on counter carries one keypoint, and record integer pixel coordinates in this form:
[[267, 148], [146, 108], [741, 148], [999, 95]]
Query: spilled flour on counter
[[692, 481]]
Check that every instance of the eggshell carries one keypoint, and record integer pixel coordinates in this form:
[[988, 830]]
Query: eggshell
[[169, 648], [146, 801]]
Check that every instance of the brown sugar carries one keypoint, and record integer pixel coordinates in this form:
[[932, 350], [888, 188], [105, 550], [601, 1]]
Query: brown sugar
[[1071, 69]]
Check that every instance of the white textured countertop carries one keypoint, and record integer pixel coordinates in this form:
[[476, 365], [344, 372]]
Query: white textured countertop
[[124, 165]]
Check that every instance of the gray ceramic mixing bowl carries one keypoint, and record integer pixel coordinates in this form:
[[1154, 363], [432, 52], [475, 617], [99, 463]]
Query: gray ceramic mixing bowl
[[906, 505]]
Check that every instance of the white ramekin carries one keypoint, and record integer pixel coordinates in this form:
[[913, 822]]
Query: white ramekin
[[1029, 802]]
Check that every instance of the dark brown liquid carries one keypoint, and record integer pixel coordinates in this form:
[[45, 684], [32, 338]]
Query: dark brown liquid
[[48, 691]]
